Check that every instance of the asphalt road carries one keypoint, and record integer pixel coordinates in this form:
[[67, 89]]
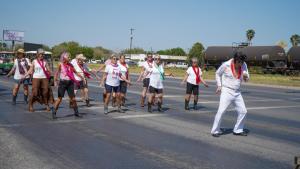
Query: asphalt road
[[173, 139]]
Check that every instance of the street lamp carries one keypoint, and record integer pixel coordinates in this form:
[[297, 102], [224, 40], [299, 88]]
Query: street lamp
[[131, 38]]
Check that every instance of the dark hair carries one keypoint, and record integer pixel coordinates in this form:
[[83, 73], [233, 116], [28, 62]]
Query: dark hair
[[239, 56]]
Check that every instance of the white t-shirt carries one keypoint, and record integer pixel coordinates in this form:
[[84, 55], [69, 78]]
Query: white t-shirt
[[17, 75], [38, 70], [192, 76], [123, 69], [113, 75], [147, 66], [74, 62], [156, 80], [225, 77]]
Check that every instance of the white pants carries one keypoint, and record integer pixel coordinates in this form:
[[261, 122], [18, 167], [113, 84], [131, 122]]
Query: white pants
[[229, 96]]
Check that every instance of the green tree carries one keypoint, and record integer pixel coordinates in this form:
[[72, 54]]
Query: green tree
[[87, 52], [282, 44], [134, 51], [295, 39], [174, 51], [72, 47], [197, 51], [250, 33]]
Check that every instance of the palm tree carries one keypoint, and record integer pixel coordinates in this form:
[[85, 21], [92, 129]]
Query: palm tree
[[250, 35], [295, 39]]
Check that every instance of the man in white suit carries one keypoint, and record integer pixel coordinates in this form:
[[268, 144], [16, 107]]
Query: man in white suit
[[229, 77]]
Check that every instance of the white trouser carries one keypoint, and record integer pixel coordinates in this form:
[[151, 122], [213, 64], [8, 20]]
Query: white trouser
[[229, 96]]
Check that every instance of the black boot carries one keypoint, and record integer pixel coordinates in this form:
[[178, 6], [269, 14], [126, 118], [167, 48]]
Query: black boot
[[186, 105], [53, 110], [87, 103], [149, 107], [195, 105], [14, 100], [142, 101], [76, 113], [25, 99], [159, 106], [113, 102]]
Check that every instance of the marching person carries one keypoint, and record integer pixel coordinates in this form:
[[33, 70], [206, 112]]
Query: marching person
[[81, 68], [41, 90], [111, 79], [229, 77], [125, 73], [67, 81], [147, 66], [101, 69], [157, 76], [193, 77], [20, 69]]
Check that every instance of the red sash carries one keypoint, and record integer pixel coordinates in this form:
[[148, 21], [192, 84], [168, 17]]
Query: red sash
[[44, 69], [88, 75], [238, 76], [69, 69], [196, 70]]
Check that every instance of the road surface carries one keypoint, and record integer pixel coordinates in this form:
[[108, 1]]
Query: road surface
[[173, 139]]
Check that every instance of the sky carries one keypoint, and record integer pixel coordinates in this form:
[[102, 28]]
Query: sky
[[158, 24]]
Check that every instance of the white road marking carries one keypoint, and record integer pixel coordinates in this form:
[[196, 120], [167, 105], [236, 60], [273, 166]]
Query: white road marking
[[138, 116]]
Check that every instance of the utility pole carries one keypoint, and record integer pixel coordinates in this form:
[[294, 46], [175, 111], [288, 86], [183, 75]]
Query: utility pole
[[131, 38]]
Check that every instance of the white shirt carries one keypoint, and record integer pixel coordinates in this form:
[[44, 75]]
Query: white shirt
[[147, 66], [113, 75], [192, 76], [156, 80], [123, 69], [225, 77], [17, 75], [74, 62], [38, 70]]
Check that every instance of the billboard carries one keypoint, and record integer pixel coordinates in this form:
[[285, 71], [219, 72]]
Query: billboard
[[10, 35]]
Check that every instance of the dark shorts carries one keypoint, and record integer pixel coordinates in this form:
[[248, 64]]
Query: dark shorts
[[81, 85], [123, 87], [24, 81], [146, 82], [66, 85], [192, 89], [110, 89], [155, 90]]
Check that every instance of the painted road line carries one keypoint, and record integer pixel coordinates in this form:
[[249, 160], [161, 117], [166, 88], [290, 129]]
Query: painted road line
[[138, 116]]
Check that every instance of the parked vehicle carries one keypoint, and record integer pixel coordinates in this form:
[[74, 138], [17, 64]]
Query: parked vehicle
[[6, 61], [181, 65]]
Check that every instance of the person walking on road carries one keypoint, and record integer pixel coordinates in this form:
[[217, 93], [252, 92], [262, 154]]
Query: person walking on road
[[20, 69], [147, 66], [125, 73], [193, 77], [111, 78], [41, 90], [67, 81], [229, 77], [81, 68], [157, 76]]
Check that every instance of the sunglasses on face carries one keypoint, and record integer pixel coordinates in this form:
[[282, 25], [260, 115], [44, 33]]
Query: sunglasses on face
[[114, 58]]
